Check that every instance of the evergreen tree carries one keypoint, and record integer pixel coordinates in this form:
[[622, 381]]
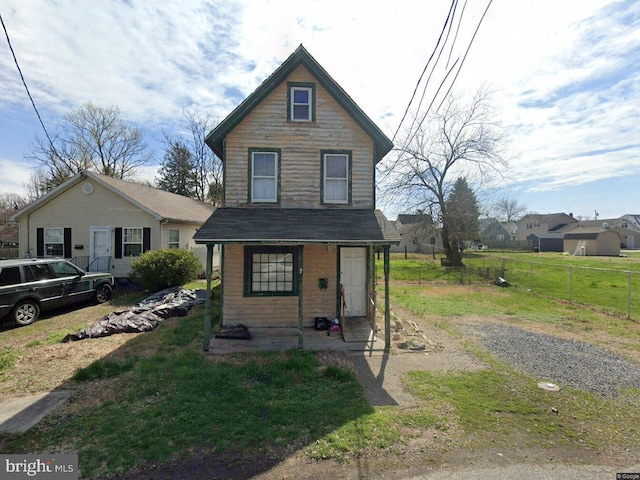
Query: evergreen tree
[[177, 174], [460, 219]]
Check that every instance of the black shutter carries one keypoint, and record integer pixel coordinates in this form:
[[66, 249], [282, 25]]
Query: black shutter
[[39, 242], [146, 239], [67, 243], [118, 242]]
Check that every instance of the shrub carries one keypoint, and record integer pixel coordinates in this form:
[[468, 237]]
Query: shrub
[[160, 269]]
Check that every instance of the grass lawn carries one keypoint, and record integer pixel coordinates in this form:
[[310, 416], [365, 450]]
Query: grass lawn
[[158, 397], [607, 284]]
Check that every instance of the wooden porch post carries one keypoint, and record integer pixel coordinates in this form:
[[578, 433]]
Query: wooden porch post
[[207, 301], [387, 312], [300, 315]]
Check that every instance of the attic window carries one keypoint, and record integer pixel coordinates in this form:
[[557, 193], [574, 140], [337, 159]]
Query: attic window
[[301, 102]]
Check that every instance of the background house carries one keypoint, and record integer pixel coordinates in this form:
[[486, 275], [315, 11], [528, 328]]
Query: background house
[[298, 226], [102, 223], [418, 234], [534, 223]]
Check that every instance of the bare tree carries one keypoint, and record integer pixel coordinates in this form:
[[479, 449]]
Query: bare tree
[[509, 209], [208, 167], [457, 141], [38, 184], [92, 138]]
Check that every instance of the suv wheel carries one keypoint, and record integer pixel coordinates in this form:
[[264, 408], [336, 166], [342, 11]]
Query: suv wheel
[[103, 293], [26, 312]]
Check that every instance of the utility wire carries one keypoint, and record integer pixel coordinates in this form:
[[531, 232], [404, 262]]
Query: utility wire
[[433, 69], [465, 53], [447, 75], [444, 27], [27, 88]]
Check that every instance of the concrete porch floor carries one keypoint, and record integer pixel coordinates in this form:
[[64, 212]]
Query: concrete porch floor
[[358, 337]]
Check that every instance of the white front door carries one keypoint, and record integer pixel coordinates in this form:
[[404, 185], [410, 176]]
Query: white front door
[[100, 248], [353, 277]]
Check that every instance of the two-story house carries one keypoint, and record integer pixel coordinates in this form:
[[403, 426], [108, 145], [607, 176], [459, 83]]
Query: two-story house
[[535, 224], [298, 225]]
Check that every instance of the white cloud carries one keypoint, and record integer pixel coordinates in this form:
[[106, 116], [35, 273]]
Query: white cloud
[[566, 73]]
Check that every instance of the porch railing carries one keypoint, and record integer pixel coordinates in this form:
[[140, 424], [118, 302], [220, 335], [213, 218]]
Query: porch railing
[[98, 264]]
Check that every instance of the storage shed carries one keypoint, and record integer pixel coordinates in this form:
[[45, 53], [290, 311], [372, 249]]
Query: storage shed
[[545, 242], [592, 241]]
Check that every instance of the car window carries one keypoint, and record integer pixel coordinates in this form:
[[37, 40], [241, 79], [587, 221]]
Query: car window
[[40, 271], [10, 276], [64, 269]]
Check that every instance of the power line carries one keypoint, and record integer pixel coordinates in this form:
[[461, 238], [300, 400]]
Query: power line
[[467, 51], [412, 135], [27, 88], [444, 27]]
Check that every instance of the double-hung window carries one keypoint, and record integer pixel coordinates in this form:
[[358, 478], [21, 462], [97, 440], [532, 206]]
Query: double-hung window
[[174, 238], [264, 175], [54, 242], [270, 271], [132, 242], [301, 102], [335, 167]]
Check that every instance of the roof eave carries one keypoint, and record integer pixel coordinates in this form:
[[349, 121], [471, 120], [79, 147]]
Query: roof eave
[[294, 241], [215, 138]]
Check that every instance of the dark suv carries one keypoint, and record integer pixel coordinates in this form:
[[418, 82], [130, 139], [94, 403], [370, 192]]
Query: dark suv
[[29, 286]]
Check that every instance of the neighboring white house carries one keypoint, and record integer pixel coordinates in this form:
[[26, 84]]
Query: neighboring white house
[[102, 223]]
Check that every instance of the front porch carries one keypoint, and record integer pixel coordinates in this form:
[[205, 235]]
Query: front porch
[[358, 336]]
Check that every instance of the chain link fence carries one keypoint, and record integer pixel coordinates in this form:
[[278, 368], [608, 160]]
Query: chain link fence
[[614, 291]]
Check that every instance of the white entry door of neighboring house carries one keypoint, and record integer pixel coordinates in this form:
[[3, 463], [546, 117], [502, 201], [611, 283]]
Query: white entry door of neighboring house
[[630, 241], [100, 249], [353, 277]]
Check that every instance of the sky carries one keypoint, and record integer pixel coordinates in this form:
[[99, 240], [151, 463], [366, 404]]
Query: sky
[[565, 76]]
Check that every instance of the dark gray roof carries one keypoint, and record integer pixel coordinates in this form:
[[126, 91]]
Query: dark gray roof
[[297, 225], [545, 235], [587, 233]]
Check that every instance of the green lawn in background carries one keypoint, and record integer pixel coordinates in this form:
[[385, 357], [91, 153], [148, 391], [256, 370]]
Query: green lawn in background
[[602, 283]]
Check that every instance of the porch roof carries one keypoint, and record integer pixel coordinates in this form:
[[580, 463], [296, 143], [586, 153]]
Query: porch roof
[[297, 226]]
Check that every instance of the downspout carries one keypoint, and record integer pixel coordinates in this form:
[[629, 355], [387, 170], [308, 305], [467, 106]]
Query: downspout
[[27, 254]]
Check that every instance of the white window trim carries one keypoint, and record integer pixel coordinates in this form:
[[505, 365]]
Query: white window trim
[[274, 178], [169, 242], [309, 90], [345, 179], [124, 242], [46, 243]]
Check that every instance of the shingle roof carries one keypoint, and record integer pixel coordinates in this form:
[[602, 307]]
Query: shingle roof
[[215, 138], [588, 233], [164, 204], [158, 203], [297, 225]]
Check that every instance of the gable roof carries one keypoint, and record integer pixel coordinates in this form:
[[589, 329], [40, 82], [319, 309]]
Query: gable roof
[[546, 217], [159, 204], [297, 225], [215, 138], [588, 233]]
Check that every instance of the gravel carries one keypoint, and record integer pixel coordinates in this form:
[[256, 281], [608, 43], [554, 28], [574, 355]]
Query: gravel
[[556, 360]]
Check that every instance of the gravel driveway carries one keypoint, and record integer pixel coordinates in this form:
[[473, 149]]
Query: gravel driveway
[[553, 359]]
